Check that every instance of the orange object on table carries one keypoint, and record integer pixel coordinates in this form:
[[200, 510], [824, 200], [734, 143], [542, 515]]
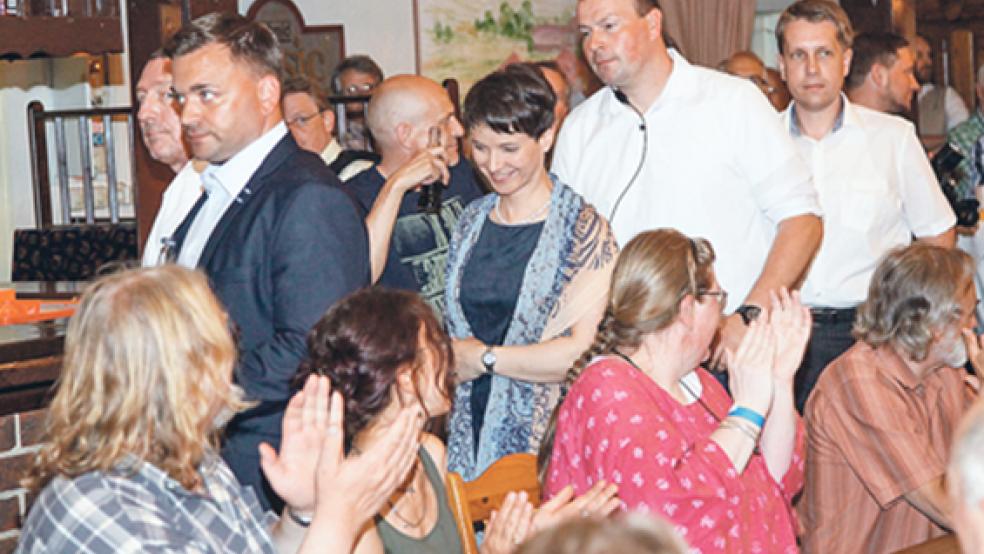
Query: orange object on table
[[14, 311]]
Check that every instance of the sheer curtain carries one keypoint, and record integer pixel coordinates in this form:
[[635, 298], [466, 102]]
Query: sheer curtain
[[708, 31]]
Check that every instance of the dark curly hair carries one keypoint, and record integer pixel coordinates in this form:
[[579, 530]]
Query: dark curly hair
[[364, 340]]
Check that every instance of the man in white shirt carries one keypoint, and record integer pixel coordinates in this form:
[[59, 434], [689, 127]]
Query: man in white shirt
[[882, 75], [940, 107], [312, 123], [161, 131], [875, 184], [668, 144]]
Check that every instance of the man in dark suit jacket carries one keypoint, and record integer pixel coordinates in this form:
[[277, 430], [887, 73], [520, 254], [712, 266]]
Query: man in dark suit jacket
[[278, 238]]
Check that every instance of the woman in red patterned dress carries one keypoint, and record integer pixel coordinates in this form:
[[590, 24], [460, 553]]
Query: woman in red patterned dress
[[642, 413]]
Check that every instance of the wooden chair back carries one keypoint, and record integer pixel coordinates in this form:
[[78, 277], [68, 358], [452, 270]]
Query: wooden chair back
[[475, 500], [947, 544]]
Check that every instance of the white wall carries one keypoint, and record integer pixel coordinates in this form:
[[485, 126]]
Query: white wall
[[382, 29]]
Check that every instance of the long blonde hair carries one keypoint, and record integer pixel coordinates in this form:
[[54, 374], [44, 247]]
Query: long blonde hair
[[654, 272], [147, 368]]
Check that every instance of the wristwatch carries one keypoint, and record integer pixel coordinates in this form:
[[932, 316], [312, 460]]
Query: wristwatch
[[488, 359], [748, 312]]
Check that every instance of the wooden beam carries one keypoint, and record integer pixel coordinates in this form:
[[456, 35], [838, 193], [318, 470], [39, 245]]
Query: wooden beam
[[962, 74]]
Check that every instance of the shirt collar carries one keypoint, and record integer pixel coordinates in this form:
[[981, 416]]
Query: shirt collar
[[848, 117], [237, 171], [895, 367], [678, 84], [332, 151]]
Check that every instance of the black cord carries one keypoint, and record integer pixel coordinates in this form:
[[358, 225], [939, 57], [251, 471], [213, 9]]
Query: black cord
[[620, 96]]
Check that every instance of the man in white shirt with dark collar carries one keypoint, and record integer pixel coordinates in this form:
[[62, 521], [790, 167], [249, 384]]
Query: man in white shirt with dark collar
[[160, 128], [876, 187], [708, 157], [278, 238]]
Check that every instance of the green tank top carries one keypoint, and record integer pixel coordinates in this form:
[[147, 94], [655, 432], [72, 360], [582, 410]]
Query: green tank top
[[442, 539]]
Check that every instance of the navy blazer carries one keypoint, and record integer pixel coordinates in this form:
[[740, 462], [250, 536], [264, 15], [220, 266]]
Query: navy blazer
[[291, 245]]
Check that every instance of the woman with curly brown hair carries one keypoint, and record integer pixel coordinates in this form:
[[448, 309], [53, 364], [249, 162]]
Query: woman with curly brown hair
[[642, 413], [384, 351]]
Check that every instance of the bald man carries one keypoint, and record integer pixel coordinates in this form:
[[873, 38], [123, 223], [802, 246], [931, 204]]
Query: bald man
[[748, 65], [413, 123]]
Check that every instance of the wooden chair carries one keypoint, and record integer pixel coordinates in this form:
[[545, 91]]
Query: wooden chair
[[475, 500], [947, 544]]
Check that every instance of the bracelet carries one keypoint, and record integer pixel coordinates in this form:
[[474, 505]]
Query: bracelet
[[747, 414], [745, 426], [742, 429], [298, 519]]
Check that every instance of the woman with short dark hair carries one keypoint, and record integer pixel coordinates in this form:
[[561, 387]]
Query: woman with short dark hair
[[528, 271]]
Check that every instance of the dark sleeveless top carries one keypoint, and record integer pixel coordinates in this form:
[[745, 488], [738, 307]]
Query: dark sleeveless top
[[442, 539]]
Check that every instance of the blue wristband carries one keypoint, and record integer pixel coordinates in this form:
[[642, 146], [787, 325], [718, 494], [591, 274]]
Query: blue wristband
[[748, 414]]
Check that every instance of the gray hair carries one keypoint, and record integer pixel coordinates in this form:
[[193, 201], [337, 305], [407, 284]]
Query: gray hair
[[966, 467], [913, 293]]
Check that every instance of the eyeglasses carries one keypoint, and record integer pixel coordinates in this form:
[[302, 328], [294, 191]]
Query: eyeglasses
[[301, 121], [721, 295], [359, 89]]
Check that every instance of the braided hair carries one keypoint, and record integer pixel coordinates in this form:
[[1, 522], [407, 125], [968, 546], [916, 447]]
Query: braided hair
[[656, 270]]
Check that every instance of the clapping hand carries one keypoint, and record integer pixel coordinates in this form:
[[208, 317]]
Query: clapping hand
[[791, 323], [975, 353], [291, 471], [750, 368]]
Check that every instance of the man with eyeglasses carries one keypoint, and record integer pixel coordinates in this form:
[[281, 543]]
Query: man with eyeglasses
[[875, 184], [356, 76], [312, 122]]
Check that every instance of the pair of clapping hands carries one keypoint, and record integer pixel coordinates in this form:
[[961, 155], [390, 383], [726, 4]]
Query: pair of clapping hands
[[517, 519], [314, 477], [770, 351]]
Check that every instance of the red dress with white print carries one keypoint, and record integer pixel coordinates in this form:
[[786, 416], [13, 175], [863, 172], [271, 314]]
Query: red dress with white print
[[617, 424]]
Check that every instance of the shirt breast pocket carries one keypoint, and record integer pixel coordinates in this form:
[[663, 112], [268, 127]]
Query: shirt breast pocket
[[870, 205]]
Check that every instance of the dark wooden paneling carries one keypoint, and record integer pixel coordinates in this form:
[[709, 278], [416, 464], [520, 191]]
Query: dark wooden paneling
[[59, 36]]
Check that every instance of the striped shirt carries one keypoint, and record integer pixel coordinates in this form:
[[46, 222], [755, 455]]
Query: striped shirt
[[144, 510], [875, 431]]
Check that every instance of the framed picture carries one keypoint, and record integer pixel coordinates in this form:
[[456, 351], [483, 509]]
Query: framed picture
[[309, 50], [466, 39]]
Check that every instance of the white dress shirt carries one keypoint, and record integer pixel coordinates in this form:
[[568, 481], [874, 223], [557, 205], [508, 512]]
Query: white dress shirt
[[331, 153], [717, 165], [876, 189], [224, 183], [177, 201]]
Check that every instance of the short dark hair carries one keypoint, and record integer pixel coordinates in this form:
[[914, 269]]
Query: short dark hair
[[816, 11], [645, 6], [517, 99], [360, 63], [247, 40], [363, 342], [870, 49], [305, 85]]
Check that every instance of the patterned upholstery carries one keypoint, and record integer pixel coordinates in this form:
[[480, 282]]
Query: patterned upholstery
[[71, 253]]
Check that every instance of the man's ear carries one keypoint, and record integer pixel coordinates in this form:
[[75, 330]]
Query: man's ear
[[848, 56], [654, 20], [268, 91], [781, 64], [328, 119], [403, 132], [878, 75]]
